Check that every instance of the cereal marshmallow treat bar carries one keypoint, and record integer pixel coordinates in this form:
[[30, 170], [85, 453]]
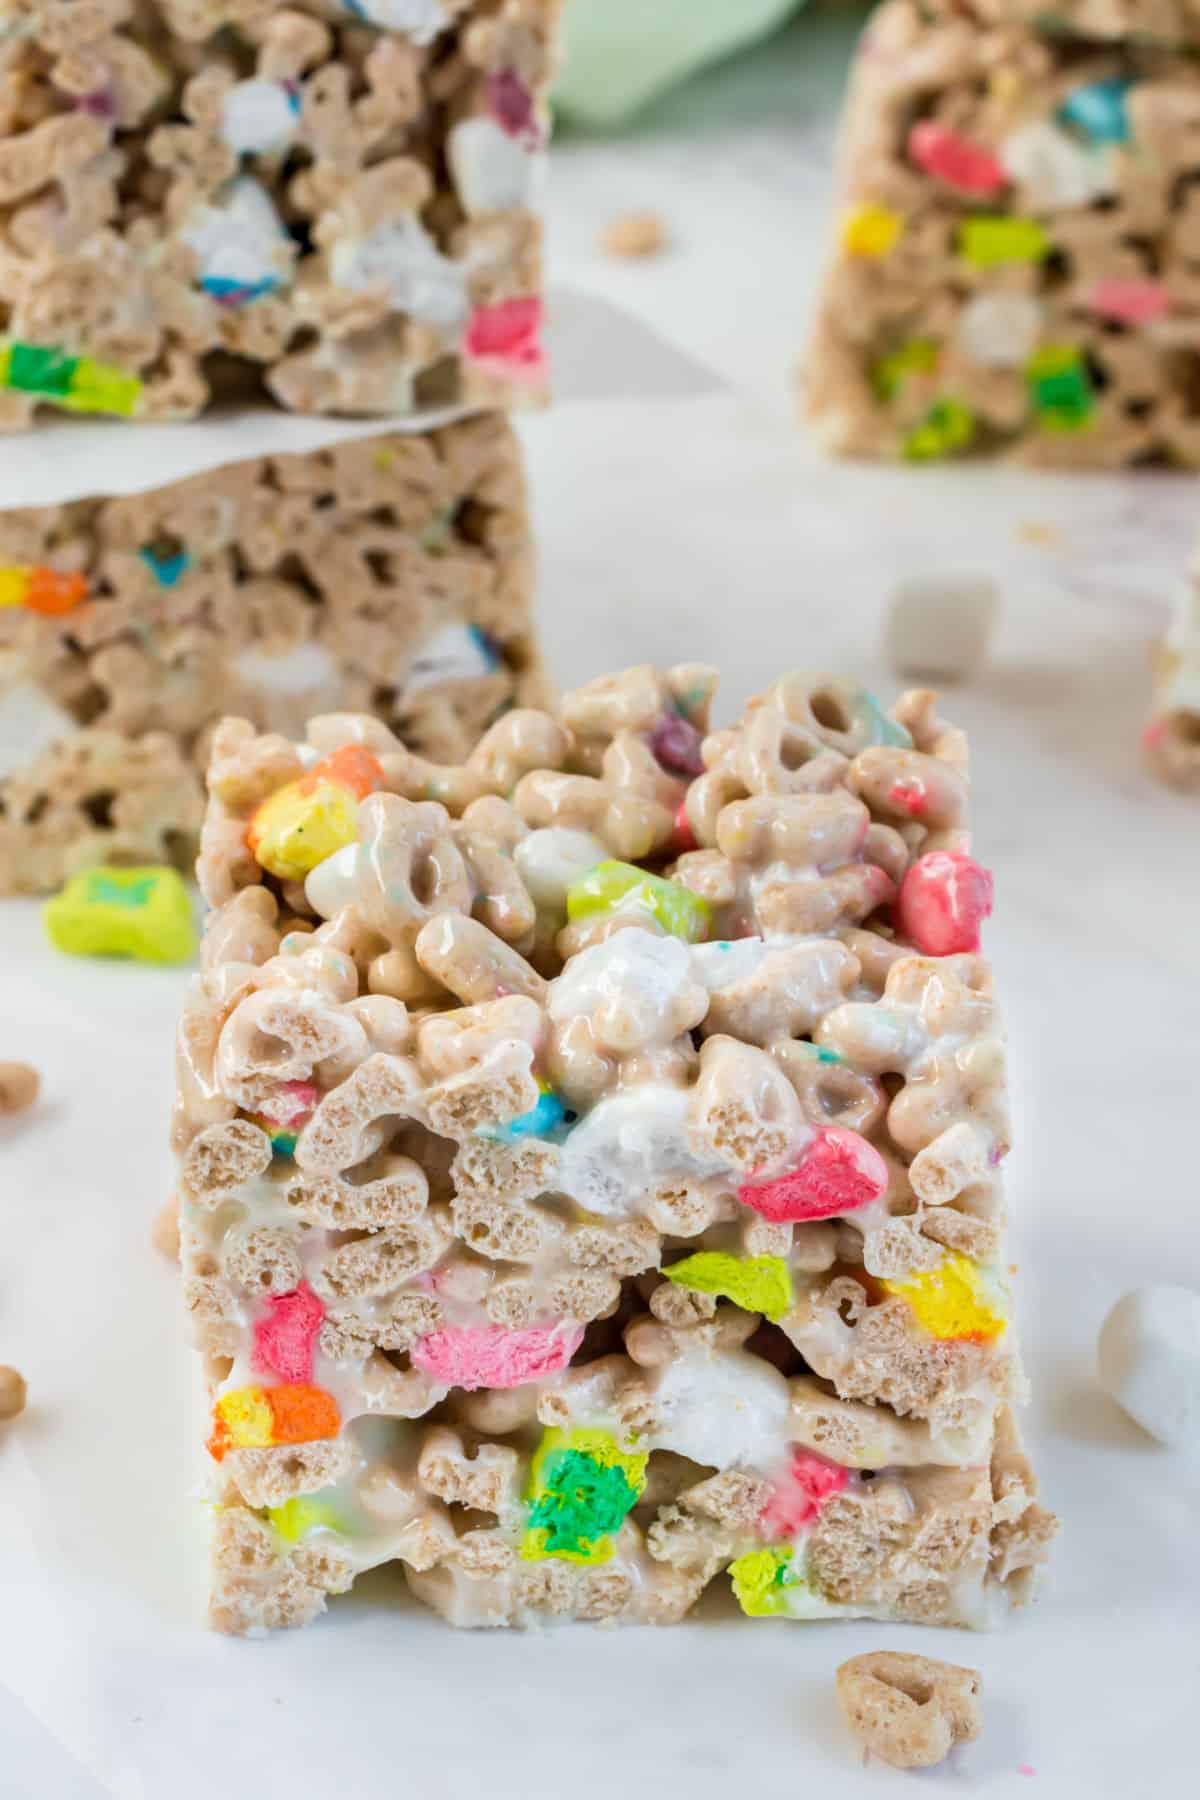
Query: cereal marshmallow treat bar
[[590, 1167], [392, 575], [1172, 736], [1018, 264], [329, 200]]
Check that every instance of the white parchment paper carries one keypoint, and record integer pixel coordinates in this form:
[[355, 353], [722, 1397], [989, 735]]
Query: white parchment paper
[[597, 351]]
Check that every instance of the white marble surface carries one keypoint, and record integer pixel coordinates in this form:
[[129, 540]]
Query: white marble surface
[[700, 527]]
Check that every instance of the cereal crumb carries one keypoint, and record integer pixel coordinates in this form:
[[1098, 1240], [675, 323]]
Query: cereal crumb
[[909, 1711], [164, 1232], [1033, 531], [18, 1086], [12, 1392], [635, 234]]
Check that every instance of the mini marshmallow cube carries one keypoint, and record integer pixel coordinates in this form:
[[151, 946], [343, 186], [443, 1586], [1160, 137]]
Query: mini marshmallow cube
[[939, 626], [1148, 1356]]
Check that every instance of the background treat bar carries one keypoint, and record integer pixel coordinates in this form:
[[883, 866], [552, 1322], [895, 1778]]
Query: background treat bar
[[1172, 736], [1016, 266], [392, 575], [589, 1167], [332, 202]]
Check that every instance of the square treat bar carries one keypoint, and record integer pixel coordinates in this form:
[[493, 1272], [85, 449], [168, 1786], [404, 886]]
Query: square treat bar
[[330, 201], [590, 1167], [1172, 736], [1018, 254], [391, 575]]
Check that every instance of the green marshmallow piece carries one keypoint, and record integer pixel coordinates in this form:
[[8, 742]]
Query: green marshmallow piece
[[918, 357], [991, 241], [760, 1284], [34, 369], [1060, 388], [947, 428], [613, 886], [142, 913]]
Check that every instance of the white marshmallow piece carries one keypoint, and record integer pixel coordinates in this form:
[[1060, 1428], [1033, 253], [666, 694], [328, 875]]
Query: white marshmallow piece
[[1000, 331], [331, 885], [1148, 1357], [241, 237], [551, 860], [260, 117], [492, 170], [420, 20], [455, 653], [30, 724], [308, 669], [728, 1409], [629, 1142], [403, 259], [941, 625], [1053, 170]]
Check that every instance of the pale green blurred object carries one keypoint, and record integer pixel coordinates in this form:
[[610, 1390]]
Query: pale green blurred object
[[622, 53]]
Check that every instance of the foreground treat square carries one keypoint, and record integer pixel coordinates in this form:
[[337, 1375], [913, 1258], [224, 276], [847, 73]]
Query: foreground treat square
[[1015, 265], [392, 575], [589, 1167], [331, 203]]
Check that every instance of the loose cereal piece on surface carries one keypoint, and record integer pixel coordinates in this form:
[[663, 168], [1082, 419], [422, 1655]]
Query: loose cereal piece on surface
[[939, 626], [589, 1173], [19, 1084], [907, 1710], [635, 234], [1149, 1361], [145, 914], [12, 1392]]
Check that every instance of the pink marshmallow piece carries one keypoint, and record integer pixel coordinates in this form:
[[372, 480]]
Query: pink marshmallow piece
[[838, 1172], [294, 1101], [476, 1356], [505, 339], [285, 1337], [943, 901], [1130, 302], [799, 1497], [954, 159]]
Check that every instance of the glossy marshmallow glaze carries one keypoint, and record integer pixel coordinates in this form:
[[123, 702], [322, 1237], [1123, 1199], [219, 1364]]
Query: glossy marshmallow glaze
[[590, 1167]]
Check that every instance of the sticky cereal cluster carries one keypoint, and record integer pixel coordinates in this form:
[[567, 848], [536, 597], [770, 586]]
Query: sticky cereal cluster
[[589, 1166], [392, 575], [333, 201], [1014, 267]]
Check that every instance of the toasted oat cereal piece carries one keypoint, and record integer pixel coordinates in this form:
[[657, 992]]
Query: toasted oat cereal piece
[[907, 1710], [12, 1392], [590, 1167], [635, 234], [335, 205], [19, 1084], [1012, 274], [391, 575]]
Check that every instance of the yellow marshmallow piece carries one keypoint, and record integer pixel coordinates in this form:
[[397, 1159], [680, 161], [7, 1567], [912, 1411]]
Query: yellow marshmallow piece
[[299, 826]]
